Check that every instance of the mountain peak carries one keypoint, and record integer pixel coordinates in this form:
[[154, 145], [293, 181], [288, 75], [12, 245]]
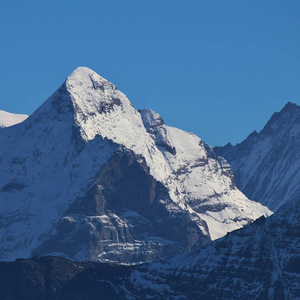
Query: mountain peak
[[83, 77], [100, 109], [281, 120], [290, 105], [289, 108]]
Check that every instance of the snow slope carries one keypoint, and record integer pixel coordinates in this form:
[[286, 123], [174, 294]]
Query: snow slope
[[8, 119], [74, 167]]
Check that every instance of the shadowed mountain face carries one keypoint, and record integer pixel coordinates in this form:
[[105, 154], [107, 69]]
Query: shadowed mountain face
[[124, 216], [261, 261], [267, 164], [58, 278], [88, 177]]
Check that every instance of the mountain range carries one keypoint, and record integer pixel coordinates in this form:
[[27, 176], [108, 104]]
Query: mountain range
[[98, 199]]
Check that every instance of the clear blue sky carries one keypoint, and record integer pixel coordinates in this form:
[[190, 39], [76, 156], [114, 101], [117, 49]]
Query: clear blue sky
[[216, 68]]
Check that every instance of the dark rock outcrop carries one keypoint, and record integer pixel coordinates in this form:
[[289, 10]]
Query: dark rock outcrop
[[42, 278]]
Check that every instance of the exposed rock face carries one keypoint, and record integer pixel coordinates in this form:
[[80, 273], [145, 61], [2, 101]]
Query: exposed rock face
[[267, 164], [125, 216], [86, 176], [260, 261]]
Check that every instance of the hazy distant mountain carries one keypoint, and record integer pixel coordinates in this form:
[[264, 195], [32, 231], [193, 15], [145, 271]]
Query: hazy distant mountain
[[88, 177], [261, 261], [8, 119], [267, 164]]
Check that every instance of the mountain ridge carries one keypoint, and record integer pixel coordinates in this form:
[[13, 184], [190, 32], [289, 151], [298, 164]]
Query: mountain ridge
[[267, 164]]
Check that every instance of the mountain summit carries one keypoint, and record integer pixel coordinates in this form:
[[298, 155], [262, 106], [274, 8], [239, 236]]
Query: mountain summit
[[88, 177]]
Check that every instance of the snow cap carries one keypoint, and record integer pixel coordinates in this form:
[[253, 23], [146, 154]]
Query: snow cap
[[86, 78]]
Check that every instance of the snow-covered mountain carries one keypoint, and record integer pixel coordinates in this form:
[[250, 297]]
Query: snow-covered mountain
[[267, 164], [260, 261], [8, 119], [86, 176]]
